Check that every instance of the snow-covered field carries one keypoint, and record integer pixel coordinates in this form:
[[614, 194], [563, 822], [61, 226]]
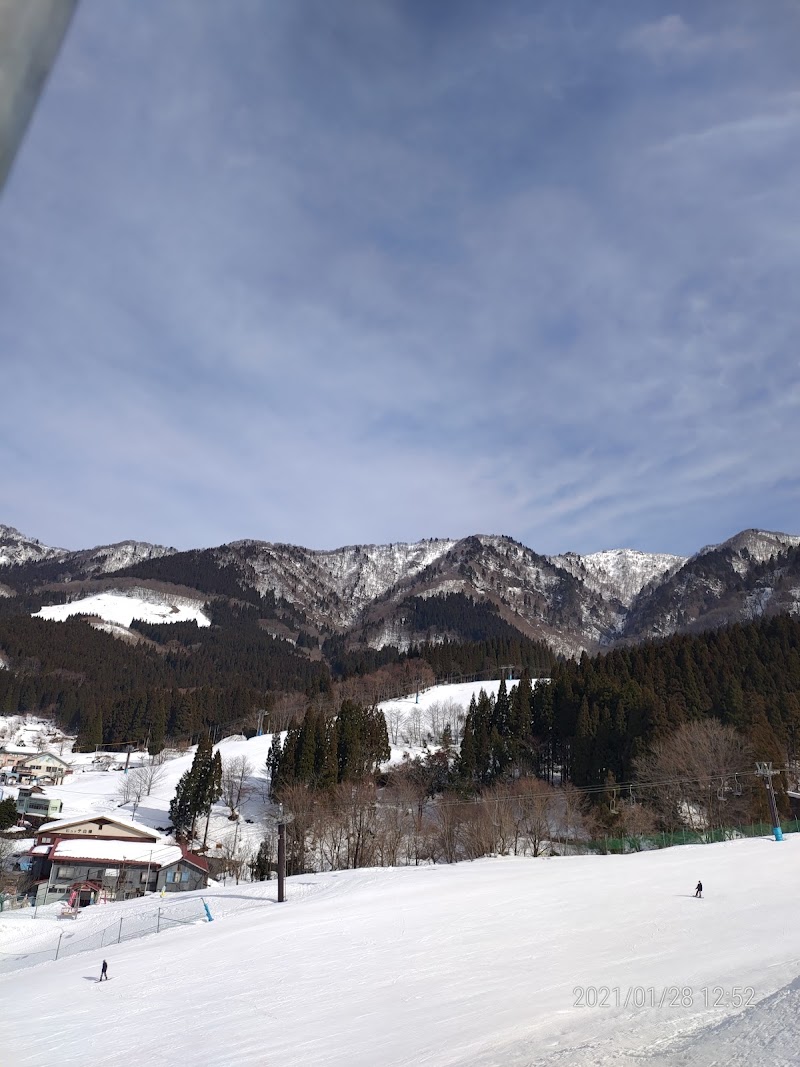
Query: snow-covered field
[[475, 964], [409, 719], [90, 791], [572, 961], [120, 609]]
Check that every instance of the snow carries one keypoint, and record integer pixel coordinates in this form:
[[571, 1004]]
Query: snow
[[89, 791], [347, 578], [95, 849], [409, 720], [63, 825], [761, 545], [621, 573], [122, 609], [16, 548], [472, 964]]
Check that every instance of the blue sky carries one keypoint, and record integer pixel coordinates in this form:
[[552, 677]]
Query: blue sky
[[369, 272]]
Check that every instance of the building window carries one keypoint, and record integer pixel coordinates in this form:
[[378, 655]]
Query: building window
[[66, 872], [46, 840]]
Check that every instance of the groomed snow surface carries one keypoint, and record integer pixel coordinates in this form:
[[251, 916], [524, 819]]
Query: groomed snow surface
[[472, 964], [122, 610]]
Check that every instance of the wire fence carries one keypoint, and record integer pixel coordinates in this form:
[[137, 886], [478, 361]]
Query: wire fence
[[68, 942], [648, 842]]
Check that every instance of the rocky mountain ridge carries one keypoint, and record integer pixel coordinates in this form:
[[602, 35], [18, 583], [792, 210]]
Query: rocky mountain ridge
[[374, 595]]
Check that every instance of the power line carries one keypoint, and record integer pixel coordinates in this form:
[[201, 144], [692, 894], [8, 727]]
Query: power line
[[594, 790]]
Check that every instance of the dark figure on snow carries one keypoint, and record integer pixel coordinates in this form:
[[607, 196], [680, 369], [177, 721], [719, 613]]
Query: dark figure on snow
[[104, 971], [698, 892]]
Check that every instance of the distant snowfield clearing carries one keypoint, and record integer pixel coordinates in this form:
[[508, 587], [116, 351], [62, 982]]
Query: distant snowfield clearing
[[121, 609], [518, 962]]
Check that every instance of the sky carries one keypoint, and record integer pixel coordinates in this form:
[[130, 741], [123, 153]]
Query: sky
[[372, 272]]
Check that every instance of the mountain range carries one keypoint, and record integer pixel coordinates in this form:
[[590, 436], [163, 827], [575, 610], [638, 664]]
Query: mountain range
[[399, 594]]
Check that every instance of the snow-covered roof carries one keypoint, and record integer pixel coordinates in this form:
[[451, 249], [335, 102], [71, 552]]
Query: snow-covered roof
[[45, 755], [63, 825], [103, 849]]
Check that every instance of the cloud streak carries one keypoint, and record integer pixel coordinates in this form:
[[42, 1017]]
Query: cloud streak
[[376, 275]]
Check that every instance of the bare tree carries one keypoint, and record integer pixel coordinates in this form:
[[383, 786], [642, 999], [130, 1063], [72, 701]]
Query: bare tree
[[412, 727], [636, 821], [152, 772], [534, 811], [434, 720], [329, 836], [235, 772], [696, 777], [139, 782], [451, 818], [302, 803], [393, 824], [357, 803], [394, 720], [235, 855]]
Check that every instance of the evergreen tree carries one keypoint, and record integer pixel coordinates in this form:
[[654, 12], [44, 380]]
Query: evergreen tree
[[181, 812], [197, 789], [8, 813]]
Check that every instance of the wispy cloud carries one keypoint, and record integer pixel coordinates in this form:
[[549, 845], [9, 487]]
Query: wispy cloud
[[379, 272], [670, 37]]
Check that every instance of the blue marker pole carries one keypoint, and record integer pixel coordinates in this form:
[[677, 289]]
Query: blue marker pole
[[209, 916]]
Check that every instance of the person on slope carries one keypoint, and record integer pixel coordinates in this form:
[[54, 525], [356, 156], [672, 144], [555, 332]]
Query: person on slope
[[698, 891], [104, 972]]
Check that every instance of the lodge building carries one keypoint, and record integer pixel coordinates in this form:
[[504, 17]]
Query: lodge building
[[96, 858]]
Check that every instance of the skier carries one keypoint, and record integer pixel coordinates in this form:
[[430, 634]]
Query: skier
[[104, 972], [698, 892]]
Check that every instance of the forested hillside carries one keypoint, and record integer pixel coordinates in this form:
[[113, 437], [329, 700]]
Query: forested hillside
[[178, 679], [595, 717]]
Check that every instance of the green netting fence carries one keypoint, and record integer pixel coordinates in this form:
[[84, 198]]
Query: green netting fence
[[647, 842]]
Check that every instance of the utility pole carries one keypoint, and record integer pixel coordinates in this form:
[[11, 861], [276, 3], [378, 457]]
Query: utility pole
[[281, 861], [765, 771], [49, 882]]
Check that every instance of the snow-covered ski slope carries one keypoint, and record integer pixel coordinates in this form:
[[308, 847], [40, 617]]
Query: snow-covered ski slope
[[121, 609], [472, 964]]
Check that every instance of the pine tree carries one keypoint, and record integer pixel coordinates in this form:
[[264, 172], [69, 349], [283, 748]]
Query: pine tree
[[8, 813], [181, 813], [197, 789]]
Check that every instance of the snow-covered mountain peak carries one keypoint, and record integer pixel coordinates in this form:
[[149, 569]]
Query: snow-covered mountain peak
[[350, 577], [759, 545], [108, 558], [16, 547], [621, 573]]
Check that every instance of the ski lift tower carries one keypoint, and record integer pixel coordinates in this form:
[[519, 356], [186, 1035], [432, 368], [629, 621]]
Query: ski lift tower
[[765, 771]]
